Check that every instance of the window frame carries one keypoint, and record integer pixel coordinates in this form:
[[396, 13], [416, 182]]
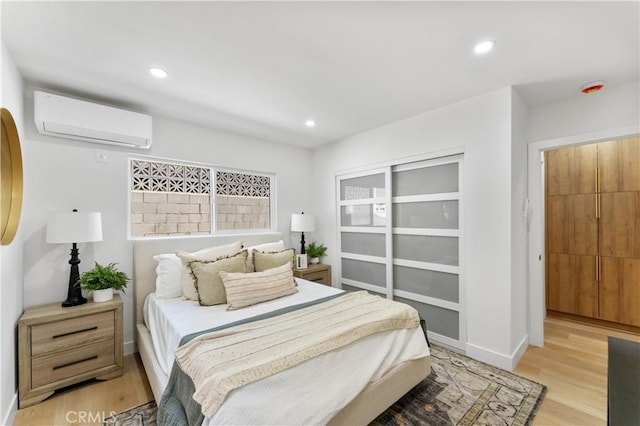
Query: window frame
[[213, 196]]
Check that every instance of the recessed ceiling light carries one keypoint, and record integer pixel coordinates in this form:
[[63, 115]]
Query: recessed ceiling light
[[484, 47], [593, 87], [310, 123], [158, 72]]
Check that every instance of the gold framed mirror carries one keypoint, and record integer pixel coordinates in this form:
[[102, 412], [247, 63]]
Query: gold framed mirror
[[11, 171]]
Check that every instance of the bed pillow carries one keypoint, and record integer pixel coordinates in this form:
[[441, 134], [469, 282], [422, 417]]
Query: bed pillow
[[276, 246], [168, 276], [212, 253], [263, 260], [207, 277], [256, 287]]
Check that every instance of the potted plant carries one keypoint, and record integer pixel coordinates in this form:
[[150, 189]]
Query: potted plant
[[102, 280], [315, 252]]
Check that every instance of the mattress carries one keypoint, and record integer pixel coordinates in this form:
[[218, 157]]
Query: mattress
[[292, 396]]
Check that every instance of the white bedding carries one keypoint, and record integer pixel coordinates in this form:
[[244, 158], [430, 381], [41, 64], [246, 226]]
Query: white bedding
[[290, 397]]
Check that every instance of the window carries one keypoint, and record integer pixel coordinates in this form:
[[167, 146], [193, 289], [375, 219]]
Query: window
[[178, 199]]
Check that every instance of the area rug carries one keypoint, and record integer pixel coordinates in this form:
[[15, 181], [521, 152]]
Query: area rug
[[459, 391]]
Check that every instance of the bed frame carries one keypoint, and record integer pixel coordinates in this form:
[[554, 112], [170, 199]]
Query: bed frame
[[371, 402]]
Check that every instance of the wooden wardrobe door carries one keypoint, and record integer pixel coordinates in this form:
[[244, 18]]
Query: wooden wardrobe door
[[620, 224], [571, 170], [572, 226], [620, 290], [619, 165], [572, 285]]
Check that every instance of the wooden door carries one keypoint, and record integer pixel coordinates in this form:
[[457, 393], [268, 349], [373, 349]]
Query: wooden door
[[619, 165], [571, 170], [620, 290], [619, 230], [572, 286], [619, 227]]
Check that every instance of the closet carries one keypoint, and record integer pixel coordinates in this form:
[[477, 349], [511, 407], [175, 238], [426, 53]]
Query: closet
[[401, 238], [593, 230]]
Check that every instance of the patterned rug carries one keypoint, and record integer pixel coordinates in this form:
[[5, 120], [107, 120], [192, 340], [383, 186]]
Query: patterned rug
[[459, 391]]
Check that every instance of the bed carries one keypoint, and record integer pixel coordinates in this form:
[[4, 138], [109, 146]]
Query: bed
[[397, 373]]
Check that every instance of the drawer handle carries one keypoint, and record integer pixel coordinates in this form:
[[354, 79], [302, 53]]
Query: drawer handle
[[76, 332], [75, 362]]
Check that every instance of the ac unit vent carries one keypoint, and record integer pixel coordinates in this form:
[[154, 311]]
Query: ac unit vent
[[64, 117]]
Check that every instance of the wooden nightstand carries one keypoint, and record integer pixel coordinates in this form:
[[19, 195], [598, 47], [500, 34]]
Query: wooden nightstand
[[318, 273], [58, 347]]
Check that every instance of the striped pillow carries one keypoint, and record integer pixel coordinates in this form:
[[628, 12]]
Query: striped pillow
[[256, 287]]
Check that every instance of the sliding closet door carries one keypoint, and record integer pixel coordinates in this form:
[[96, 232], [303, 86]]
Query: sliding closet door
[[365, 231], [400, 237], [426, 243]]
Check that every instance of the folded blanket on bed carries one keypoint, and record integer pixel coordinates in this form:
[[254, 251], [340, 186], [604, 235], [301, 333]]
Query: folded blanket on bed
[[221, 361]]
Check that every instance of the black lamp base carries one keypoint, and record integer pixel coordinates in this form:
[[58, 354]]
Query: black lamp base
[[74, 293], [302, 247], [74, 302]]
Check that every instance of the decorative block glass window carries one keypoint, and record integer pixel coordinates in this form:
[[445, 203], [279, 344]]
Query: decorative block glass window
[[178, 199]]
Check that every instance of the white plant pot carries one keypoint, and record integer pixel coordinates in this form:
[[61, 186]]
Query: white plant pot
[[314, 260], [103, 295]]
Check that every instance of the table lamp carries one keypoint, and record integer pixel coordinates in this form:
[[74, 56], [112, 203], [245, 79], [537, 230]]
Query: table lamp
[[74, 227], [302, 223]]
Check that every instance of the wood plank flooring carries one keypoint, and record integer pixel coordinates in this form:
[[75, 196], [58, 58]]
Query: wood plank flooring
[[573, 366], [572, 363]]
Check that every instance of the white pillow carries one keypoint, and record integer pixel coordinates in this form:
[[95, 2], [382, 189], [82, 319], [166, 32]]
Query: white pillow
[[188, 284], [168, 276], [268, 247]]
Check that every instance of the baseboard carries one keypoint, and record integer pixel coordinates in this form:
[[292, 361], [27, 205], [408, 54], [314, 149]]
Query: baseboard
[[520, 350], [505, 362], [489, 357], [10, 415], [130, 347]]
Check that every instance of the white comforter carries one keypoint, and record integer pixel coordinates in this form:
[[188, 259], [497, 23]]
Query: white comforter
[[292, 396]]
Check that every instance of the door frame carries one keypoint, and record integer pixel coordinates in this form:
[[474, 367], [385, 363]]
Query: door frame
[[536, 249]]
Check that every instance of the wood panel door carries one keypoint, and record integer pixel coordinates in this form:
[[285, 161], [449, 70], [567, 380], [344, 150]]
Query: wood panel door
[[619, 297], [572, 226], [619, 226], [572, 286], [571, 170], [619, 165]]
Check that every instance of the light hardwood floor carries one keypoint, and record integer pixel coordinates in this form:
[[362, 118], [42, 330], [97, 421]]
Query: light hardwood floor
[[572, 363]]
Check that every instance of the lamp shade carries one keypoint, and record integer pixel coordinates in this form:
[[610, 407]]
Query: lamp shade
[[302, 223], [74, 227]]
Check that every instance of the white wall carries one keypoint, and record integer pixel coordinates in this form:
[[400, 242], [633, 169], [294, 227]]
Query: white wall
[[519, 210], [482, 126], [11, 255], [64, 174], [613, 107]]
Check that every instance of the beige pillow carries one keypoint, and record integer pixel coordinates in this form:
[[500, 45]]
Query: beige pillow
[[212, 253], [263, 260], [207, 277], [256, 287], [276, 246]]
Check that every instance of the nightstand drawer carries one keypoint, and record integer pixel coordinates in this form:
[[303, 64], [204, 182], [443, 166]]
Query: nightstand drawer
[[59, 366], [60, 335], [318, 277]]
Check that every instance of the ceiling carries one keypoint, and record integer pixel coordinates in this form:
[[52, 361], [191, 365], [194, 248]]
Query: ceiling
[[264, 68]]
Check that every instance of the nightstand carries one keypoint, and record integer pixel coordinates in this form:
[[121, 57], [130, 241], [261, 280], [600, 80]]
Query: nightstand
[[58, 347], [318, 273]]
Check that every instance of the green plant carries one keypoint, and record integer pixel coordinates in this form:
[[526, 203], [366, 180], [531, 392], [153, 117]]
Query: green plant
[[316, 250], [103, 277]]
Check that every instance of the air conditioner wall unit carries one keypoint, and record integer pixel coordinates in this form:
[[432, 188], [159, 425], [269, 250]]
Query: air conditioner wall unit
[[64, 117]]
